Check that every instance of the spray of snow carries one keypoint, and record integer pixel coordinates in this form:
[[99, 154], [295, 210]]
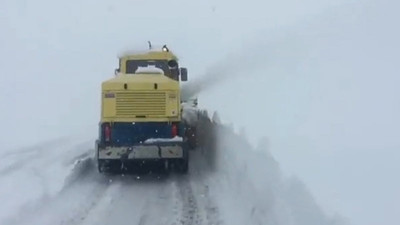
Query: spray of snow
[[247, 62]]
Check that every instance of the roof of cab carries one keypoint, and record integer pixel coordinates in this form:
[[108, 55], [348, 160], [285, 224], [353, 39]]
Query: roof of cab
[[150, 54]]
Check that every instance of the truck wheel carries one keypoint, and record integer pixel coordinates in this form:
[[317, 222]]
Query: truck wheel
[[101, 166], [165, 168], [183, 166]]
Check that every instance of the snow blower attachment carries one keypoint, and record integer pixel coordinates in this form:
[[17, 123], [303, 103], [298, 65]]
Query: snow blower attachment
[[142, 115]]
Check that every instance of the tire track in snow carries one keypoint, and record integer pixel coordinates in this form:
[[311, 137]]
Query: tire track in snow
[[195, 203], [196, 207], [189, 207], [132, 199], [84, 173]]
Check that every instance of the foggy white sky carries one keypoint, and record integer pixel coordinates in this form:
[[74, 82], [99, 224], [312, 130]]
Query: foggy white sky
[[323, 88]]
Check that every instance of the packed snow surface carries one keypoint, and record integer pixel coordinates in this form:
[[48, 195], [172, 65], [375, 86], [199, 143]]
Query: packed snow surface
[[229, 183]]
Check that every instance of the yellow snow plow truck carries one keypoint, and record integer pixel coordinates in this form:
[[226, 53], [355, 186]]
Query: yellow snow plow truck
[[141, 114]]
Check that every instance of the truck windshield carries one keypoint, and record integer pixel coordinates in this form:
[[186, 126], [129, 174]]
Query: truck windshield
[[136, 66], [150, 66]]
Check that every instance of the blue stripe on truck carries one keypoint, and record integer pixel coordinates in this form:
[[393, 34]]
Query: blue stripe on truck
[[125, 134]]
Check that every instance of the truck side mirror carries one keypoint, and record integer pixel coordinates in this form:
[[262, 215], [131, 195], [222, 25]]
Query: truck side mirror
[[184, 75], [116, 71]]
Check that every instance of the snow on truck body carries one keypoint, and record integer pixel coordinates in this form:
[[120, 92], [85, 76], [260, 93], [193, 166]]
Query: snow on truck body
[[141, 113]]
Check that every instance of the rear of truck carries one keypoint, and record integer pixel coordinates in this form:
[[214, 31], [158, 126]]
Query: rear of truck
[[141, 117]]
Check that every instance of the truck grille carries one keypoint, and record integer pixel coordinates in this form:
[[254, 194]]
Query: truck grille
[[130, 104]]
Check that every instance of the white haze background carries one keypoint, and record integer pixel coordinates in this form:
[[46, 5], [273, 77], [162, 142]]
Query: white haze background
[[319, 79]]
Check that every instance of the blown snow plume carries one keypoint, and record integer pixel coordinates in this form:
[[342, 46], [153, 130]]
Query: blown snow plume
[[281, 51]]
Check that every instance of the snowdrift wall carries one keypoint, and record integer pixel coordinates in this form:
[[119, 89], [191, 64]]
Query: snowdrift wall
[[247, 183]]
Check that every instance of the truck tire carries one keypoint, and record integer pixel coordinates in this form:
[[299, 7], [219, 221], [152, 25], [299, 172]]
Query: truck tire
[[101, 166], [183, 164]]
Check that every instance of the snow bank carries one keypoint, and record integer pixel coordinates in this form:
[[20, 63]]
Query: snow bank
[[30, 175], [249, 187]]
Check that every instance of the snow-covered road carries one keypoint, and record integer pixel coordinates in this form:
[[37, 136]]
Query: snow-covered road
[[229, 183]]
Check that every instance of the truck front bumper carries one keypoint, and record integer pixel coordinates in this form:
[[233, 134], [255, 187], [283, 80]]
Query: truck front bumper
[[164, 150]]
